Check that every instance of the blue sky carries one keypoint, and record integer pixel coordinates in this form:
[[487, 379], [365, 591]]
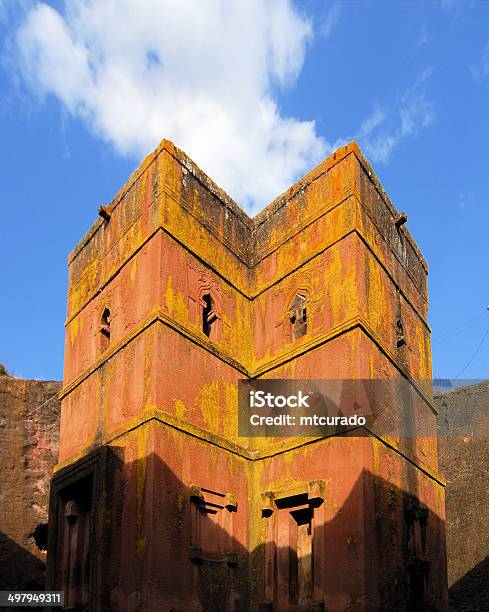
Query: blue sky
[[257, 93]]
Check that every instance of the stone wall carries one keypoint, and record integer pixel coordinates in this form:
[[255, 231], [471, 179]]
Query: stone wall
[[29, 433], [464, 456]]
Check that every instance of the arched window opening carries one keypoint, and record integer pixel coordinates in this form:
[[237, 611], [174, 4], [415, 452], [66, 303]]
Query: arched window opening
[[105, 329], [209, 316], [400, 337], [298, 316]]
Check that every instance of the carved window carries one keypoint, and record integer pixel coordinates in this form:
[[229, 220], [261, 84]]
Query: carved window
[[400, 338], [105, 330], [291, 558], [209, 315], [298, 316], [74, 535], [212, 525], [300, 516]]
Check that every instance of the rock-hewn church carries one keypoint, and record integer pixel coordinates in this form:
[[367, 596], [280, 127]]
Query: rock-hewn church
[[175, 295]]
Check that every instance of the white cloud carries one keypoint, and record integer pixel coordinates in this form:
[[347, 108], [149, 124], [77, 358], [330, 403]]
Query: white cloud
[[481, 69], [449, 4], [203, 74], [465, 199], [457, 8], [422, 37], [199, 72], [386, 127], [3, 11], [330, 19]]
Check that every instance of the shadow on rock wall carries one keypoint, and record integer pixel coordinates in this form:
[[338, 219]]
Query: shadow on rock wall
[[132, 536], [18, 564], [471, 593]]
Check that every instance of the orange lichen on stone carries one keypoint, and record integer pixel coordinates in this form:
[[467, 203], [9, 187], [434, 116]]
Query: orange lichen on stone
[[200, 296]]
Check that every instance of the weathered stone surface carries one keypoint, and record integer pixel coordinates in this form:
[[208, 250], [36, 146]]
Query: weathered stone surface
[[464, 460], [173, 298], [29, 432]]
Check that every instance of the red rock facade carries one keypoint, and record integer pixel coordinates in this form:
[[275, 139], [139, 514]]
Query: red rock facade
[[175, 294], [29, 425]]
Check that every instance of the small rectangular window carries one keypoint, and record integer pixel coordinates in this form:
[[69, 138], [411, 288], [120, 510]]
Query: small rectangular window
[[105, 330], [209, 316], [298, 316]]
